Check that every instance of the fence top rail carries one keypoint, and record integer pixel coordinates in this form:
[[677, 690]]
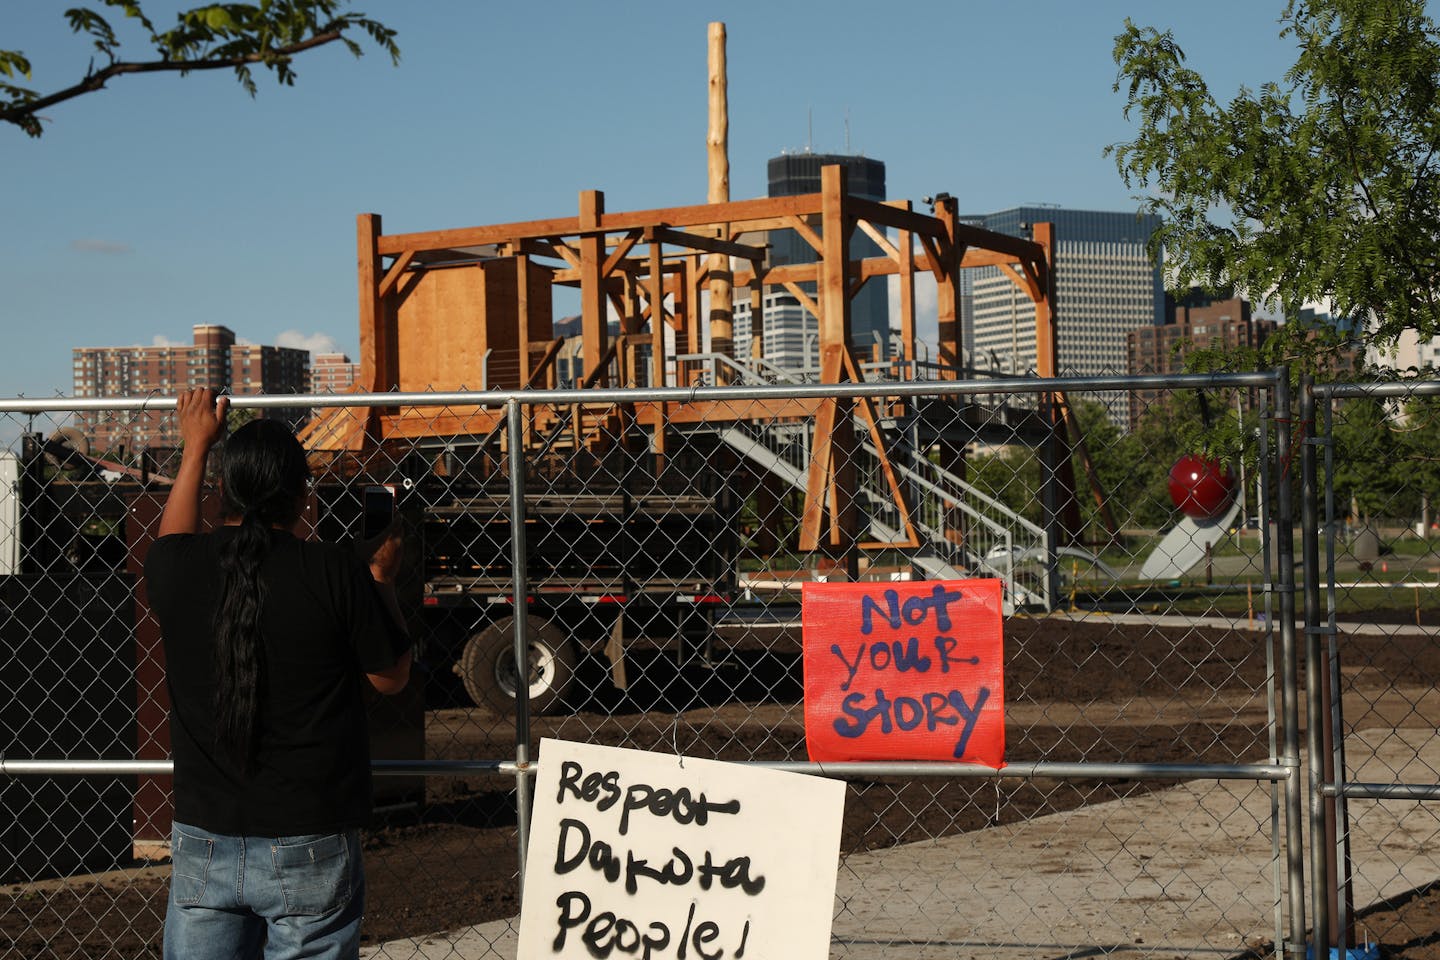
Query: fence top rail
[[1389, 388], [496, 398]]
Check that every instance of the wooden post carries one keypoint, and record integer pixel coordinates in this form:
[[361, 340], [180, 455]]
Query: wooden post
[[522, 313], [377, 349], [834, 444], [1045, 334], [834, 293], [692, 304], [656, 288], [757, 311], [905, 247], [950, 347], [717, 144], [593, 329]]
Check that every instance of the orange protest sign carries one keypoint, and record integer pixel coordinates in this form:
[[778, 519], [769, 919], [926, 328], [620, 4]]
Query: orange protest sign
[[904, 671]]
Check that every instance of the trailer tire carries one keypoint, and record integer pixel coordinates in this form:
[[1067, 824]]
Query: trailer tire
[[487, 666]]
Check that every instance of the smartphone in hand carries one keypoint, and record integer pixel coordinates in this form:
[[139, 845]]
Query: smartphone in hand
[[378, 509]]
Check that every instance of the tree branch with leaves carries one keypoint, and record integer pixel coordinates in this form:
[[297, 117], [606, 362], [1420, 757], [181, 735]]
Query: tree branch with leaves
[[1321, 186], [218, 36]]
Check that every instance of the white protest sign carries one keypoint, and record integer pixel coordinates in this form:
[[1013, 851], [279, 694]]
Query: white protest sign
[[636, 854]]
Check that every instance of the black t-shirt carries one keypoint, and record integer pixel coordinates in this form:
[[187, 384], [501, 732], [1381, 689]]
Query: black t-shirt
[[323, 625]]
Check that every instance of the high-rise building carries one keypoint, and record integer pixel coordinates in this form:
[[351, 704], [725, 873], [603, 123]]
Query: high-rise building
[[213, 359], [1106, 285], [790, 333]]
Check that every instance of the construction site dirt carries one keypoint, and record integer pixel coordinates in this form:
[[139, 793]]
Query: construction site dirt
[[1076, 689]]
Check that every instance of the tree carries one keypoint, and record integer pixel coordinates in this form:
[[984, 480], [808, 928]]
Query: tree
[[1367, 460], [1324, 185], [217, 36]]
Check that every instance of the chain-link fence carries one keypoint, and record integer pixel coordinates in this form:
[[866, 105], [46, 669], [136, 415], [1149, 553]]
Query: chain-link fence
[[644, 550], [1372, 653]]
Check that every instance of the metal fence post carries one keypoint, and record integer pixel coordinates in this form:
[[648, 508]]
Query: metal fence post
[[1290, 692], [515, 440], [1321, 694]]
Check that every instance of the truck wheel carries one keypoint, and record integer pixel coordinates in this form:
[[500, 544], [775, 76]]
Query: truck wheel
[[487, 666]]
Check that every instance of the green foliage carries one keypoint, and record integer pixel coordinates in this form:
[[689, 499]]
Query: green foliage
[[235, 36], [1323, 185], [1012, 476], [1366, 461]]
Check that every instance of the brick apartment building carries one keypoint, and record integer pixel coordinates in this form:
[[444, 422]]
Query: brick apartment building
[[1195, 322], [212, 360], [332, 373]]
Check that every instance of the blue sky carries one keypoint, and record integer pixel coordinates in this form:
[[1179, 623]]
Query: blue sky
[[162, 201]]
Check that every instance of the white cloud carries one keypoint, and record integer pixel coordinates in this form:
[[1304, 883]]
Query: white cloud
[[92, 245], [314, 342], [927, 309], [160, 340]]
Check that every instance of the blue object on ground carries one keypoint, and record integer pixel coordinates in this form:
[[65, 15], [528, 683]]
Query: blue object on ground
[[1371, 952]]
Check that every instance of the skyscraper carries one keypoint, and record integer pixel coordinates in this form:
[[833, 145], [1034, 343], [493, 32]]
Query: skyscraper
[[1106, 286], [787, 323]]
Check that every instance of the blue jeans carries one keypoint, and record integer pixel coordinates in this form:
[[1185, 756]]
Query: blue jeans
[[283, 898]]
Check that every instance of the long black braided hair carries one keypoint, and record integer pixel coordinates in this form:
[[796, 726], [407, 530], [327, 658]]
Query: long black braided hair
[[264, 478]]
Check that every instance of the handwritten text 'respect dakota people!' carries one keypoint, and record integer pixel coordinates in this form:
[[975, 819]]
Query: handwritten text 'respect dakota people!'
[[580, 848]]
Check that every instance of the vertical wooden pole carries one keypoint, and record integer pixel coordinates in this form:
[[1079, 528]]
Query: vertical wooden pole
[[834, 292], [905, 245], [757, 310], [717, 147], [1046, 341], [693, 341], [375, 347], [522, 315], [951, 350], [656, 282], [834, 301], [593, 328]]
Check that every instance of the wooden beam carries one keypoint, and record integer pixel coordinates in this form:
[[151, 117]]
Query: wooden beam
[[986, 258], [695, 241], [949, 333], [621, 249], [377, 343], [881, 241], [547, 360], [905, 251], [392, 276], [804, 298], [901, 219], [933, 258], [867, 412], [1046, 336], [740, 214], [807, 234], [656, 290], [817, 482], [593, 327], [522, 314], [833, 292], [1018, 247], [563, 251]]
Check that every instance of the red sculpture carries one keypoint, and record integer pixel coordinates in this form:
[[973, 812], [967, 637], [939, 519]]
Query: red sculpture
[[1201, 487]]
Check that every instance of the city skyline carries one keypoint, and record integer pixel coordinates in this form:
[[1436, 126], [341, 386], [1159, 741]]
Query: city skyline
[[162, 199]]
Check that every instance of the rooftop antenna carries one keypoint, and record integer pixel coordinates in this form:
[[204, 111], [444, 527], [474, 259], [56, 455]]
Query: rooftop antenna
[[847, 130], [809, 128]]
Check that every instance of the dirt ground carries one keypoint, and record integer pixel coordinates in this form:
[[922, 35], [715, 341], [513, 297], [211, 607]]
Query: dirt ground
[[1086, 690]]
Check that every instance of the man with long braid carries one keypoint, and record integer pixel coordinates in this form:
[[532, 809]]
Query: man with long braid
[[268, 639]]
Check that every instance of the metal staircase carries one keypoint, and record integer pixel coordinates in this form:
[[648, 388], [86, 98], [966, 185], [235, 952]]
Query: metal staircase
[[963, 531]]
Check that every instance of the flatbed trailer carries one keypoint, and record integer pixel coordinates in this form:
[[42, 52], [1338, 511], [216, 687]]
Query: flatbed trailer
[[606, 571]]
